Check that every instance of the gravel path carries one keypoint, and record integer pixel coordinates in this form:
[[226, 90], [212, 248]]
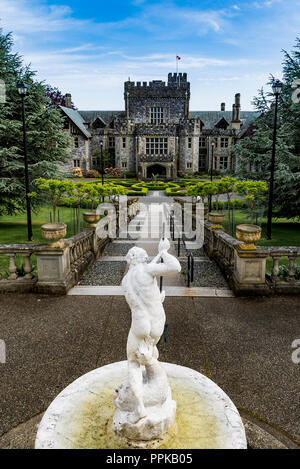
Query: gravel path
[[206, 274], [104, 273], [117, 249]]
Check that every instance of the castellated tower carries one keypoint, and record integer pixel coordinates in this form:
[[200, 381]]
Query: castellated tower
[[171, 100]]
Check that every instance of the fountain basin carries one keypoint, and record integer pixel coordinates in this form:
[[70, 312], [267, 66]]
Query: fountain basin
[[81, 416]]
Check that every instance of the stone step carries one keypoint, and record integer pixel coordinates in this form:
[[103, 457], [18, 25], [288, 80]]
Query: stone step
[[103, 290]]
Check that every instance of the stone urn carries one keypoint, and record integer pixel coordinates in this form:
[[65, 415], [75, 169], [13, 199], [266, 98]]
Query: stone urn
[[91, 218], [249, 235], [54, 232], [216, 219]]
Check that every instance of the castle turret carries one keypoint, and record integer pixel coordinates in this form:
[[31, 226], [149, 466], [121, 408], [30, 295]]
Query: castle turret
[[142, 99]]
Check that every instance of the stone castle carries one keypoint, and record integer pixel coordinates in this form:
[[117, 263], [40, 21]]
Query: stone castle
[[157, 133]]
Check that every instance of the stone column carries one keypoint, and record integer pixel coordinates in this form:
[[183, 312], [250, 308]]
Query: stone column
[[54, 270], [249, 275]]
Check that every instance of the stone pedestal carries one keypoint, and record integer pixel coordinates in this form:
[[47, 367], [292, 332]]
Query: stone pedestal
[[249, 272], [54, 271]]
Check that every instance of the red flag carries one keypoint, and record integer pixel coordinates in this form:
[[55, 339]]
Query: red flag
[[178, 58]]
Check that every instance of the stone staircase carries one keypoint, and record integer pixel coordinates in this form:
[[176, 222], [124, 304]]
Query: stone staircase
[[145, 230]]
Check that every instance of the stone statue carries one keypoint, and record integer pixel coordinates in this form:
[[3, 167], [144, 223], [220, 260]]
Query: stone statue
[[144, 406]]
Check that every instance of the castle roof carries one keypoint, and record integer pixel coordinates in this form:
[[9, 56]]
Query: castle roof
[[77, 119], [105, 116], [211, 118]]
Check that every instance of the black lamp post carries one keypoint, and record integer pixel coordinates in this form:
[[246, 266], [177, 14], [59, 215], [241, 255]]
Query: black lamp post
[[22, 89], [277, 85], [211, 171], [101, 162]]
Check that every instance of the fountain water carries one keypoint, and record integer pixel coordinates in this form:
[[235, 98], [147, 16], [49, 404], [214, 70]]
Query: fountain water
[[142, 403]]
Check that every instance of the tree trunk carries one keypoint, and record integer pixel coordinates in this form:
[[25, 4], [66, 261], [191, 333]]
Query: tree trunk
[[78, 219], [229, 217]]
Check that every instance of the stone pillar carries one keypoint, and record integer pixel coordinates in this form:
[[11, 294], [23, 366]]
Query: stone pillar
[[249, 274], [54, 271]]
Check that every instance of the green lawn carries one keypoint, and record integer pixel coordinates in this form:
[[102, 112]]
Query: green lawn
[[13, 230], [284, 233]]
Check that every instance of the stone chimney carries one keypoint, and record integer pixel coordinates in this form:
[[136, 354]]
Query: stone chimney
[[236, 112], [222, 106], [68, 100]]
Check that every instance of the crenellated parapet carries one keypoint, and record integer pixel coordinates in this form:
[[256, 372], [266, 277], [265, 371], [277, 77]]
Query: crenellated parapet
[[176, 87]]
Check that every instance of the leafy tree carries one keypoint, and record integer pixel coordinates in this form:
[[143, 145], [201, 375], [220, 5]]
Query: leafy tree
[[254, 152], [56, 190], [47, 143], [106, 156], [201, 189], [226, 186], [55, 97], [254, 191]]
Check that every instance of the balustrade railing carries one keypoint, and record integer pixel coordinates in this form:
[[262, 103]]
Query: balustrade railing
[[58, 268]]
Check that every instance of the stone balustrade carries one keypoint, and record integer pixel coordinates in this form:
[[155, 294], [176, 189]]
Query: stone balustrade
[[246, 270], [58, 268], [25, 280]]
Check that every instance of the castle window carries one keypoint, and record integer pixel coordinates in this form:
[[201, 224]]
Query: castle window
[[223, 162], [124, 164], [156, 146], [124, 142], [111, 142], [76, 142], [224, 142], [157, 115], [202, 142], [190, 142], [76, 163], [222, 124], [189, 165], [202, 161]]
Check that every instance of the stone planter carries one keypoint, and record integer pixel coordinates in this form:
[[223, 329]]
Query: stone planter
[[54, 232], [216, 219], [91, 218], [249, 234]]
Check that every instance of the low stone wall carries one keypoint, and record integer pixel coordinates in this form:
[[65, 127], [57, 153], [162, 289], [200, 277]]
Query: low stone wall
[[58, 268], [246, 270]]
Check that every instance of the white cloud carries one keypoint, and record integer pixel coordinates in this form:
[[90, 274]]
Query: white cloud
[[16, 15]]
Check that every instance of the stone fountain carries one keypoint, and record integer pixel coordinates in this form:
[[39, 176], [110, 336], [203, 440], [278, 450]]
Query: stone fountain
[[142, 403]]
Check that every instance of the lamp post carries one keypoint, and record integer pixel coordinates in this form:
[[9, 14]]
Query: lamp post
[[211, 171], [101, 161], [101, 165], [277, 85], [22, 89]]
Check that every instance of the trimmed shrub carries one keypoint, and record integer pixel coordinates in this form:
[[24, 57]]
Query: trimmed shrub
[[92, 173], [77, 173]]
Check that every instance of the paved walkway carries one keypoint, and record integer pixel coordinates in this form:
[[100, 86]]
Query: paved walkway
[[242, 344], [144, 231]]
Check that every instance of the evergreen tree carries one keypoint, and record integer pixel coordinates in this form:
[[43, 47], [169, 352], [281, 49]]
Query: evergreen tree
[[254, 152], [48, 144]]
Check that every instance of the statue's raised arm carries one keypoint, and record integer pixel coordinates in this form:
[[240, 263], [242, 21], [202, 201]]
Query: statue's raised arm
[[170, 264]]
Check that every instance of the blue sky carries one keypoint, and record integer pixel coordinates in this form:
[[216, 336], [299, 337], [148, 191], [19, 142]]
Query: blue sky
[[89, 48]]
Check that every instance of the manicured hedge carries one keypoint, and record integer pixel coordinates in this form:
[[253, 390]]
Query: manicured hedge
[[235, 203]]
